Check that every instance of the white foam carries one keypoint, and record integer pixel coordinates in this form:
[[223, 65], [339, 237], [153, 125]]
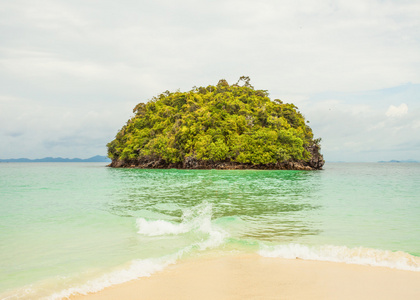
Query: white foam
[[196, 219], [361, 256], [160, 227], [138, 268]]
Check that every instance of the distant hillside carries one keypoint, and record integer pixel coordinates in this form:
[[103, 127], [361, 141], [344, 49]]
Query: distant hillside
[[97, 158], [400, 161]]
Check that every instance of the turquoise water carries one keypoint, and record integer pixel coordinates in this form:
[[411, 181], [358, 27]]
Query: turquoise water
[[69, 228]]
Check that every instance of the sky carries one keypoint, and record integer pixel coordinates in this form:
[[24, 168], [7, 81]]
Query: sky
[[71, 72]]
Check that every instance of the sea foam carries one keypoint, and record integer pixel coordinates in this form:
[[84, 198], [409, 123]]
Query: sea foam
[[160, 227], [197, 218], [137, 269], [359, 255]]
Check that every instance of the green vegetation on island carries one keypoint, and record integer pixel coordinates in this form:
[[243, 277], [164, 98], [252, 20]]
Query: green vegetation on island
[[223, 126]]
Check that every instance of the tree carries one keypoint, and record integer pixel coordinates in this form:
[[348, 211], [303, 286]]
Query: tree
[[228, 123]]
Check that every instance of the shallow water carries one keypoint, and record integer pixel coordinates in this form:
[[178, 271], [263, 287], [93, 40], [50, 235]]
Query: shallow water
[[78, 227]]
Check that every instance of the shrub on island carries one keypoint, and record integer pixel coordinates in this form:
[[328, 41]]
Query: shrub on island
[[216, 127]]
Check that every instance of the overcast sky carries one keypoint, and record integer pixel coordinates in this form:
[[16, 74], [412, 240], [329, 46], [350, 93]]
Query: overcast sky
[[72, 71]]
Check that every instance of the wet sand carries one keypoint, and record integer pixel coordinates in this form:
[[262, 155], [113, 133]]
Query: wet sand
[[254, 277]]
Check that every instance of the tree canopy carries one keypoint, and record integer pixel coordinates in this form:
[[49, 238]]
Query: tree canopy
[[229, 123]]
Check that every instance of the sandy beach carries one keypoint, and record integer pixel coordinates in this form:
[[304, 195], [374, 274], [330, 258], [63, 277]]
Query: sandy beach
[[254, 277]]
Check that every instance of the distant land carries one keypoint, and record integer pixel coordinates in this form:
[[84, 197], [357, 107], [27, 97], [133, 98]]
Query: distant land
[[400, 161], [97, 158]]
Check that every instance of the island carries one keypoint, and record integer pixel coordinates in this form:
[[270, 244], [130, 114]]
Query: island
[[216, 127]]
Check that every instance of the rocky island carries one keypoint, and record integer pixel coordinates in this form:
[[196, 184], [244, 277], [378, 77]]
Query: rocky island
[[216, 127]]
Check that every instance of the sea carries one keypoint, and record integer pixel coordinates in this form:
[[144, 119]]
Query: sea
[[77, 228]]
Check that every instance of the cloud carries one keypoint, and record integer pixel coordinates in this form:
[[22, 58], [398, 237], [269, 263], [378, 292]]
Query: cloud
[[306, 47], [397, 111], [353, 131], [61, 60], [34, 131]]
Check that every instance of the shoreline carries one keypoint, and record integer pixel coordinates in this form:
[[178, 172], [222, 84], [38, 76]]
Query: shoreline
[[159, 164], [251, 276]]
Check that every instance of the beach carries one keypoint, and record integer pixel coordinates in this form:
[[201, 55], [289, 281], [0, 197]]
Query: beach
[[250, 276]]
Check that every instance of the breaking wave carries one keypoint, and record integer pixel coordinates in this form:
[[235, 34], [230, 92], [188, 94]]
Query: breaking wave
[[197, 219], [359, 255]]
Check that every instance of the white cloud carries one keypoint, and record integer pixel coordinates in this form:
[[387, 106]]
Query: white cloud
[[35, 131], [416, 124], [352, 131], [397, 111], [79, 58]]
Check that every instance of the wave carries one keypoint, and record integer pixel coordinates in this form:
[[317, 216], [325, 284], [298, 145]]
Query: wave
[[137, 269], [359, 255], [197, 219], [160, 227]]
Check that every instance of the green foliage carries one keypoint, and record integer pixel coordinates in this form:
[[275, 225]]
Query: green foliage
[[215, 123]]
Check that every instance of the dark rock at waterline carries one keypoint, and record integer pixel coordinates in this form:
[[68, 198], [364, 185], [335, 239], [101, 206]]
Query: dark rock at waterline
[[149, 162]]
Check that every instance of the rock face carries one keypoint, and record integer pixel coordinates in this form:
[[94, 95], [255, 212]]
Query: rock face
[[315, 163], [317, 159]]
